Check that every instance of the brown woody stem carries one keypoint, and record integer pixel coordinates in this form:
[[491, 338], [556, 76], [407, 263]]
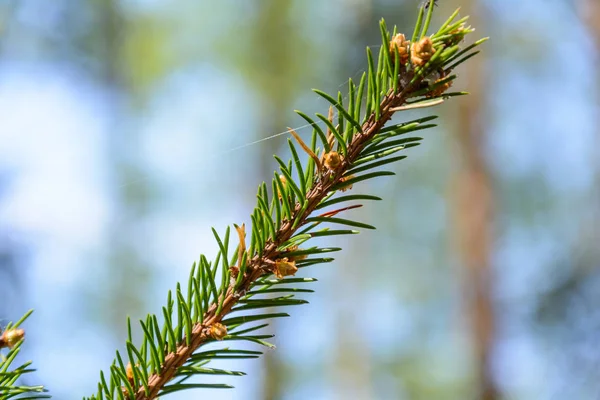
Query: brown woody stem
[[259, 266]]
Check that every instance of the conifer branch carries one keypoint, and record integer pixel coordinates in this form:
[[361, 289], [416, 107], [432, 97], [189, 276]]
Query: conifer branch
[[12, 337], [407, 74]]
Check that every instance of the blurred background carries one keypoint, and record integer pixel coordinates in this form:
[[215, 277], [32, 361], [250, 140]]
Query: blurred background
[[124, 132]]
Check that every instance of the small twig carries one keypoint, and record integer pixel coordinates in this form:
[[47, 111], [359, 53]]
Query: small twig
[[306, 148], [335, 212], [241, 230]]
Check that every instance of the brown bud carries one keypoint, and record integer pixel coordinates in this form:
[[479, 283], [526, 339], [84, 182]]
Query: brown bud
[[285, 267], [332, 160], [296, 258], [399, 41], [130, 378], [440, 90], [422, 51], [345, 178], [217, 331], [458, 35], [283, 181], [11, 337], [129, 372], [434, 79], [234, 271]]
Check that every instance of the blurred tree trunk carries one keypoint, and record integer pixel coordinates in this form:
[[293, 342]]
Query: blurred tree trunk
[[473, 216], [351, 361], [273, 61], [130, 201], [589, 13]]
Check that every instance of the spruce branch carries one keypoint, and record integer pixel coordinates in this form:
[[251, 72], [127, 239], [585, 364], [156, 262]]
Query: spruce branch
[[13, 337], [407, 74]]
